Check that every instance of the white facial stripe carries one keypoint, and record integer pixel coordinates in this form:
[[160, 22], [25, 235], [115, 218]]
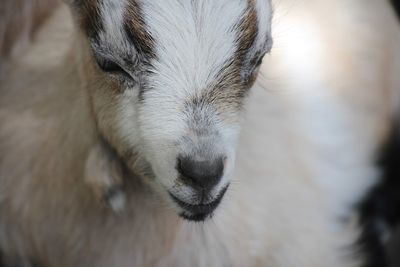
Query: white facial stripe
[[194, 40]]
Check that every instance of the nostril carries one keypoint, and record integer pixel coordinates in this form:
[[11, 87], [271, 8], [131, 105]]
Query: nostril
[[204, 174]]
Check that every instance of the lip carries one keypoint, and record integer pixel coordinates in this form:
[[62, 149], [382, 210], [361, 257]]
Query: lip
[[199, 212]]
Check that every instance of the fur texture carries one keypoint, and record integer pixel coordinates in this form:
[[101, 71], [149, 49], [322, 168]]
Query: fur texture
[[312, 124], [19, 20]]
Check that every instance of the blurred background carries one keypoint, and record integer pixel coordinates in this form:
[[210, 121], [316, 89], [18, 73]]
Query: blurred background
[[16, 30]]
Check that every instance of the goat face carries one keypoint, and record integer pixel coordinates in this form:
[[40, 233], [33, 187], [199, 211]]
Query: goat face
[[169, 80]]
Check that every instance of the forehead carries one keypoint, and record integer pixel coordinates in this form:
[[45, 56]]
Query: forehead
[[190, 39], [187, 19]]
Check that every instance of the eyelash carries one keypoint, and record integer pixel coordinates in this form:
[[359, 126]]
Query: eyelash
[[259, 61], [111, 67]]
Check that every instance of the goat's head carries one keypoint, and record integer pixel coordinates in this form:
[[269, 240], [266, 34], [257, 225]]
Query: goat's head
[[168, 82]]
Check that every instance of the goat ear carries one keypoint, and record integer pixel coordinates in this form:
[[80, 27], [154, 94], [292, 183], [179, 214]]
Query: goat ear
[[103, 174]]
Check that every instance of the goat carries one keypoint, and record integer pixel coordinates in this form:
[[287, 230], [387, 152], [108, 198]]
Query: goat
[[168, 133]]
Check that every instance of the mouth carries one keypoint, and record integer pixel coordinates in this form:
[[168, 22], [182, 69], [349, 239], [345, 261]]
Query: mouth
[[199, 212]]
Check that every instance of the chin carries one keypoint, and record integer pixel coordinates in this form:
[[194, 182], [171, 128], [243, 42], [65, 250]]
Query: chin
[[200, 211]]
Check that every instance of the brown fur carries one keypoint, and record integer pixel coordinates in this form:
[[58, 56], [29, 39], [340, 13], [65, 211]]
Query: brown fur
[[135, 27], [248, 29], [230, 87], [88, 16]]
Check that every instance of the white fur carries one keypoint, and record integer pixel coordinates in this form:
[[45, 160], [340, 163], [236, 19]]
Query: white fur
[[314, 118], [187, 63], [205, 43]]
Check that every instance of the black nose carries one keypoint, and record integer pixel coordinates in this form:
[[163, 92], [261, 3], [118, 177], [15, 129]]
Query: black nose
[[202, 174]]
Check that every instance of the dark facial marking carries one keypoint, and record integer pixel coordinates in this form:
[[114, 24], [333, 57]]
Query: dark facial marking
[[135, 28], [141, 39], [230, 87], [248, 30], [89, 17]]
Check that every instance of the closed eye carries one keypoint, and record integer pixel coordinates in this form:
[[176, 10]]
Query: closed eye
[[111, 67], [259, 61]]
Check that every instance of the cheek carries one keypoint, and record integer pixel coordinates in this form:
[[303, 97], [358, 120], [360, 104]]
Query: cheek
[[230, 136], [161, 119], [127, 117], [163, 165], [116, 116], [160, 127]]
